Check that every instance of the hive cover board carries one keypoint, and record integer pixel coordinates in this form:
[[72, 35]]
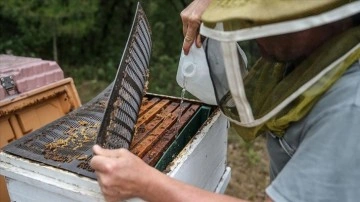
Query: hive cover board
[[122, 100]]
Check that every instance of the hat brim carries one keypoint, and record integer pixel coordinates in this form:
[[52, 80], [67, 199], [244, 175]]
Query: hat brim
[[246, 13]]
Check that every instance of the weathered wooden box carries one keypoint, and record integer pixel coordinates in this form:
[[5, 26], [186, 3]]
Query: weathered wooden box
[[33, 93]]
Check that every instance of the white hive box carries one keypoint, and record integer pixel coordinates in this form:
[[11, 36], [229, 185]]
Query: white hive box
[[202, 163]]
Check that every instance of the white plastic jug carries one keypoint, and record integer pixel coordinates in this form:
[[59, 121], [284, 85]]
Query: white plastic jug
[[193, 75]]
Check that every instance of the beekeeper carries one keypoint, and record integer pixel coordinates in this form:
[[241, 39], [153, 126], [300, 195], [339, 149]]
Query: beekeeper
[[300, 87]]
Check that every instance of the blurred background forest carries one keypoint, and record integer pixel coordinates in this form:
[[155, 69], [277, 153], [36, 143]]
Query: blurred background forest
[[87, 38]]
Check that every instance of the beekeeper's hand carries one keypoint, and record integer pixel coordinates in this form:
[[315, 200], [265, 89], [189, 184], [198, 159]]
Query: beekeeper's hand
[[190, 17], [121, 175]]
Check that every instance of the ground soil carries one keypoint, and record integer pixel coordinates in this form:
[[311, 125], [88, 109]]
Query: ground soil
[[249, 166]]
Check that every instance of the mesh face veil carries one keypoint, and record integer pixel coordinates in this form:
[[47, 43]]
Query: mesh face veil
[[281, 85]]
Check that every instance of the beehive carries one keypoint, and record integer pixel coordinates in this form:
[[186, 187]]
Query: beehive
[[196, 155], [66, 143]]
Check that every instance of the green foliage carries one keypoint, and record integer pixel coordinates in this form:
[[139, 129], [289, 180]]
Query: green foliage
[[41, 21], [249, 150], [252, 154], [162, 76], [164, 18], [90, 36], [86, 72]]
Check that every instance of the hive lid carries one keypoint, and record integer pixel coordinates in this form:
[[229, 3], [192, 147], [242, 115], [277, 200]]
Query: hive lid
[[23, 74], [117, 127]]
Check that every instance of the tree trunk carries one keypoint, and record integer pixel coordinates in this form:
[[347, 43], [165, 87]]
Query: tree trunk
[[55, 50]]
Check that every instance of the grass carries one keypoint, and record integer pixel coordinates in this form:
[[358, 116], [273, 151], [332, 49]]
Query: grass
[[249, 166], [89, 89]]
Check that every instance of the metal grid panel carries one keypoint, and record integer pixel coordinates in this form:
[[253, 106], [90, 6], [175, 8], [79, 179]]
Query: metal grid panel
[[117, 127], [66, 143]]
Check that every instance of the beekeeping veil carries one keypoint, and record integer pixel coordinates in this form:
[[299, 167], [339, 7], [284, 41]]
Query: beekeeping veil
[[274, 93]]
